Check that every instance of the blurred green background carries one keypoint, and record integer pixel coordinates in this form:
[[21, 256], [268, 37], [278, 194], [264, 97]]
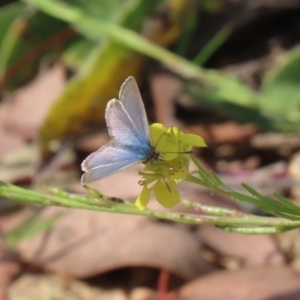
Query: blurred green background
[[239, 60]]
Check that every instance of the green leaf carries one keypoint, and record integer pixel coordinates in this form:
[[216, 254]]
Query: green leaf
[[85, 97], [230, 99], [8, 13], [23, 46], [76, 55], [213, 45], [282, 89], [104, 9]]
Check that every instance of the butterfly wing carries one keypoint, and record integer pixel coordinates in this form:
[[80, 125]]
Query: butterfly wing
[[128, 126], [120, 125], [132, 101], [107, 161]]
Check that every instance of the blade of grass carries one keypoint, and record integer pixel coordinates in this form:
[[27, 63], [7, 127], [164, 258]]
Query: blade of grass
[[213, 45], [32, 228]]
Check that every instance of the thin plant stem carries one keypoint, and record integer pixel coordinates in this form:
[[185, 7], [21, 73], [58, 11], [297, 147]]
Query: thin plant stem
[[85, 202]]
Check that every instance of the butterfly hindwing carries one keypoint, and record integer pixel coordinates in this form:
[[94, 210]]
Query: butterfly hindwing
[[106, 161]]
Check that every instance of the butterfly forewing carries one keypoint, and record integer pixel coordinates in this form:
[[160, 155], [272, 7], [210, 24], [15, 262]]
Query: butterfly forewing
[[120, 125], [134, 106]]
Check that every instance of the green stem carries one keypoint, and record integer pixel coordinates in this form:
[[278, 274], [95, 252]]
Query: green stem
[[85, 202], [212, 210], [280, 207], [253, 230]]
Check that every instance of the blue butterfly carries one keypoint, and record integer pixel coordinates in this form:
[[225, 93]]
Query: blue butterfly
[[130, 142]]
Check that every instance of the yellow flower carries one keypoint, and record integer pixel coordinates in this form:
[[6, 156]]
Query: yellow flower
[[161, 176]]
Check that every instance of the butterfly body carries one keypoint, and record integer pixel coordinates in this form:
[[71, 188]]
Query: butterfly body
[[130, 137]]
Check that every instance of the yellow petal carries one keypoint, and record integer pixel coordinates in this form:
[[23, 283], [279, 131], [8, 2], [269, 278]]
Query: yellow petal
[[156, 131], [143, 199], [193, 140], [164, 141], [180, 175], [167, 196]]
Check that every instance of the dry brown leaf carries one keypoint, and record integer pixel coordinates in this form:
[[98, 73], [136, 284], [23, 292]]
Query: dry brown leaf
[[29, 106], [8, 271], [45, 287], [250, 250], [253, 284], [9, 142], [85, 243], [19, 164], [142, 293], [9, 268], [231, 132], [165, 89]]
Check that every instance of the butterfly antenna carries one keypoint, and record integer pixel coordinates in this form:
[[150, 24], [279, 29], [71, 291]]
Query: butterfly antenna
[[159, 140], [181, 152]]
